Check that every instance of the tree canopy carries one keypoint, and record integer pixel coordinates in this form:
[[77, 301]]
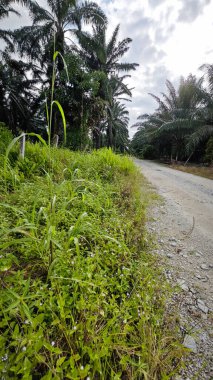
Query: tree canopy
[[89, 74]]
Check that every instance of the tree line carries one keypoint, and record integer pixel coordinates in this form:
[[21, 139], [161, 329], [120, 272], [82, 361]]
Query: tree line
[[181, 128], [89, 74]]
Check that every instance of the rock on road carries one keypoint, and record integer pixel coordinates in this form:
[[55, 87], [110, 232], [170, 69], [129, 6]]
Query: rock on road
[[184, 227]]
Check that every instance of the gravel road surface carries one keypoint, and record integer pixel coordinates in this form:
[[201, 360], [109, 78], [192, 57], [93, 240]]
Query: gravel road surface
[[183, 224]]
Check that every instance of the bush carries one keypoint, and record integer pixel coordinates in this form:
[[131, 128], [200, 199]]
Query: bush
[[209, 151], [149, 152], [5, 138]]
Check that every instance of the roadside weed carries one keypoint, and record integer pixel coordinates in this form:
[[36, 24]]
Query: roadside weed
[[81, 295]]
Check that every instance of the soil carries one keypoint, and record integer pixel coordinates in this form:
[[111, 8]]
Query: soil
[[183, 224]]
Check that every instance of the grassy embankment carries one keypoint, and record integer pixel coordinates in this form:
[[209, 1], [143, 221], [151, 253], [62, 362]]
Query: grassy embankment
[[206, 172], [81, 295]]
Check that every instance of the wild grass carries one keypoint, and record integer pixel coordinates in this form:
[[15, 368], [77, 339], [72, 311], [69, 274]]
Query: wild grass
[[81, 295], [201, 171]]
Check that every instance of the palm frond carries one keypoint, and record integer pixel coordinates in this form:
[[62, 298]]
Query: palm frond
[[198, 136], [112, 43], [38, 13], [162, 105], [187, 125]]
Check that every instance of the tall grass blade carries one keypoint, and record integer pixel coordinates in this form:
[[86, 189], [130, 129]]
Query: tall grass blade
[[55, 55], [63, 118]]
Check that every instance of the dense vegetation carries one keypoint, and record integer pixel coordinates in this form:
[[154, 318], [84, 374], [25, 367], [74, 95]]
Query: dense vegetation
[[89, 80], [90, 84], [181, 128], [81, 295]]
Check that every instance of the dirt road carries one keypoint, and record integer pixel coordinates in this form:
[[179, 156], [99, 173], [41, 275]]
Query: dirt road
[[184, 228]]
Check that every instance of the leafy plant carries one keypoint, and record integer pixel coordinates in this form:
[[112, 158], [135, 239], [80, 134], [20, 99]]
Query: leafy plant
[[81, 295]]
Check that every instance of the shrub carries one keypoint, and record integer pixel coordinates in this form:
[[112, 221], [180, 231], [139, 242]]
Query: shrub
[[5, 138], [209, 151]]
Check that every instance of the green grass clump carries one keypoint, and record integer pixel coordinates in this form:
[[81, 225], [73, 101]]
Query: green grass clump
[[81, 296]]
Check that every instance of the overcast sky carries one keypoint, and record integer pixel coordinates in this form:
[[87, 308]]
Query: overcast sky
[[170, 38]]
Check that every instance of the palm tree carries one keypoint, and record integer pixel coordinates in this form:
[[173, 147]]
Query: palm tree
[[17, 93], [104, 56], [60, 19], [180, 117], [118, 117], [50, 31]]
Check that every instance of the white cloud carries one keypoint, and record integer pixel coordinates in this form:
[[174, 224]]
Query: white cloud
[[191, 9]]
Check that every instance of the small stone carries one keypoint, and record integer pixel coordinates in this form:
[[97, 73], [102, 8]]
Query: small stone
[[198, 276], [204, 316], [190, 343], [203, 337], [204, 267], [169, 255], [182, 285], [185, 287], [197, 254], [200, 253], [172, 239], [201, 305], [193, 290], [173, 244], [205, 279], [189, 301], [161, 241]]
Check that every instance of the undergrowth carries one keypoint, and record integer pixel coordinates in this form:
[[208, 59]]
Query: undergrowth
[[201, 171], [81, 295]]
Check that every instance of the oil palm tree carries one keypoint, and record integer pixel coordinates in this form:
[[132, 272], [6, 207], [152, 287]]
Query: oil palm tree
[[102, 55], [59, 19], [118, 117], [105, 56], [179, 118], [50, 31], [17, 93]]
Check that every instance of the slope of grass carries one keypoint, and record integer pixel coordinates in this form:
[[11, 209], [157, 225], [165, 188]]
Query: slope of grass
[[81, 296], [201, 171]]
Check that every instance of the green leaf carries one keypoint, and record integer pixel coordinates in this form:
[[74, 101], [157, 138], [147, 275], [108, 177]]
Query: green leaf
[[38, 137], [51, 348], [60, 361], [5, 265], [63, 118], [55, 55]]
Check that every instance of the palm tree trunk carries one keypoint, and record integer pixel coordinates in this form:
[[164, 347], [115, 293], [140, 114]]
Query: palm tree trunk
[[96, 139], [188, 159], [110, 136]]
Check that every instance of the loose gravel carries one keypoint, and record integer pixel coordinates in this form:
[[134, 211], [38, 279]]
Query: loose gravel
[[183, 225]]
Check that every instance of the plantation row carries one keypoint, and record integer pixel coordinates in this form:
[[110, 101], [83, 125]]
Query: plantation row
[[81, 295], [181, 128]]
